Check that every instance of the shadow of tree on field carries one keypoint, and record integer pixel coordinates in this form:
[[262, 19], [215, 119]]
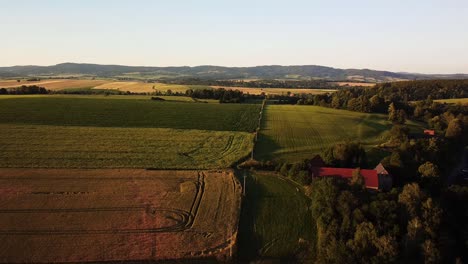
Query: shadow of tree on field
[[265, 147]]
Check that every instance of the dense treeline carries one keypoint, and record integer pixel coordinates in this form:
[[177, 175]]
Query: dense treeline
[[379, 98], [223, 95], [33, 89]]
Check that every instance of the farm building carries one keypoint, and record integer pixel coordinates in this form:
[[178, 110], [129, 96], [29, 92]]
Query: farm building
[[316, 161], [376, 179], [384, 177], [429, 132]]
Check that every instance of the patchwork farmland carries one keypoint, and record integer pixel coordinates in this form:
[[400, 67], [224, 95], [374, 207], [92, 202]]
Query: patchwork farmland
[[116, 215], [144, 87], [74, 167]]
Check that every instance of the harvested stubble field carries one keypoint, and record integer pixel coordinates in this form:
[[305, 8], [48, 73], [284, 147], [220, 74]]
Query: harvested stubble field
[[125, 86], [79, 111], [140, 87], [30, 146], [294, 132], [55, 84], [116, 215]]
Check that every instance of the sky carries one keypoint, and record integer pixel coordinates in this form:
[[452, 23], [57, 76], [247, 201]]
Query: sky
[[425, 36]]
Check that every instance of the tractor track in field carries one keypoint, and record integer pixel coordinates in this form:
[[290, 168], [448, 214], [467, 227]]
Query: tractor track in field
[[184, 221]]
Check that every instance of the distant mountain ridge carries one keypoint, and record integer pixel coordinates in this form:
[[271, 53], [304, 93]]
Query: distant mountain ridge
[[299, 72]]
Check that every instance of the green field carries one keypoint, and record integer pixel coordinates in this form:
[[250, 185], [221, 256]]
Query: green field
[[293, 132], [88, 111], [94, 131], [275, 217], [37, 146]]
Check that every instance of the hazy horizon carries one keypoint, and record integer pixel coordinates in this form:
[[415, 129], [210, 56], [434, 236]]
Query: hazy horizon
[[416, 37]]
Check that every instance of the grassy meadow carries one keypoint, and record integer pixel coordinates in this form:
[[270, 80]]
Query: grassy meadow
[[294, 132], [88, 111], [275, 217]]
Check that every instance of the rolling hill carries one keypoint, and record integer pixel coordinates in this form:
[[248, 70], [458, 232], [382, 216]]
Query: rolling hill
[[300, 72]]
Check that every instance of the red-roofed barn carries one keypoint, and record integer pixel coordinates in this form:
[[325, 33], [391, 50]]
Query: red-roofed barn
[[370, 176], [377, 179]]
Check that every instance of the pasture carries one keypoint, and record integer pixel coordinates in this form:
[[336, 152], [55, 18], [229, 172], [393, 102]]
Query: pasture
[[116, 215], [275, 219], [88, 111], [294, 132]]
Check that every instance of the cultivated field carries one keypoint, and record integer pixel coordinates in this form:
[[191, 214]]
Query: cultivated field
[[114, 132], [116, 215], [276, 220], [88, 111], [140, 87], [135, 87], [38, 146], [294, 132]]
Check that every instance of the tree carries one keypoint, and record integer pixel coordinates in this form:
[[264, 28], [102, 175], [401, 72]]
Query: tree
[[431, 252], [400, 117], [294, 171], [387, 249], [411, 198], [414, 228], [454, 129], [428, 170], [363, 243], [335, 102], [284, 170], [392, 112], [304, 178], [357, 178], [395, 160], [399, 133], [431, 214]]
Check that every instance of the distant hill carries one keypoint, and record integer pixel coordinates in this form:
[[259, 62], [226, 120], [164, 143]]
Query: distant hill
[[304, 72]]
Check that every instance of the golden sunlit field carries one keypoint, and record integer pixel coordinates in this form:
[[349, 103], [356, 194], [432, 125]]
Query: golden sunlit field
[[116, 215], [143, 87], [55, 84]]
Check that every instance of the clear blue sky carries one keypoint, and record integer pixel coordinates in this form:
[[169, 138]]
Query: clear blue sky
[[425, 36]]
